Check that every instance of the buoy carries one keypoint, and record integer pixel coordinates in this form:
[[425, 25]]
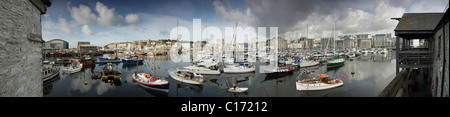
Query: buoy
[[109, 81], [85, 83], [125, 81]]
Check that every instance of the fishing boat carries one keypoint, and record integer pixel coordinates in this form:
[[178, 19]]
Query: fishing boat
[[336, 62], [86, 61], [73, 68], [133, 59], [318, 84], [186, 77], [107, 59], [146, 80], [48, 72], [279, 71]]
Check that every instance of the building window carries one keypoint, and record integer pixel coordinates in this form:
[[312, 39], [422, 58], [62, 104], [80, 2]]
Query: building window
[[439, 47]]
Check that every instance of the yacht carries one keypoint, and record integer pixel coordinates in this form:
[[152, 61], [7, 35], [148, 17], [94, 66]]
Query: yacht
[[238, 69], [203, 68]]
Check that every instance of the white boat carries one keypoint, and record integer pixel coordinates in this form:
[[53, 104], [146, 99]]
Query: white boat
[[305, 63], [184, 76], [318, 84], [364, 51], [237, 89], [384, 51], [201, 69], [147, 80], [238, 69], [73, 68]]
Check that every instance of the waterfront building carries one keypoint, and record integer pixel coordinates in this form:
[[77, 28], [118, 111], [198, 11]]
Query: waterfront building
[[364, 40], [282, 43], [57, 44], [432, 57], [86, 48], [381, 40]]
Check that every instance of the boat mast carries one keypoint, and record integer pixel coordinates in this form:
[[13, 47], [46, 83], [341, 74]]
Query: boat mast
[[177, 42], [334, 36]]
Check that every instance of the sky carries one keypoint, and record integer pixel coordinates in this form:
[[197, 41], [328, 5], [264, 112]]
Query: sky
[[105, 21]]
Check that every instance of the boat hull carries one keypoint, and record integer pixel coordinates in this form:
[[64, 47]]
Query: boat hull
[[238, 70], [161, 86], [180, 79], [332, 65], [237, 90], [316, 86], [70, 70], [56, 73], [132, 61]]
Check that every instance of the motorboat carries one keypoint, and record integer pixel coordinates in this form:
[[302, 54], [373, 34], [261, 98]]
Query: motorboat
[[74, 67], [186, 77], [324, 82], [237, 89], [146, 80]]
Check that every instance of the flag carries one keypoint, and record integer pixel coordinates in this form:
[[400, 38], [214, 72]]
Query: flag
[[342, 76]]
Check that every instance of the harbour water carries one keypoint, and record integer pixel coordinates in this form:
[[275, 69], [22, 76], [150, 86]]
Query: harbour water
[[372, 73]]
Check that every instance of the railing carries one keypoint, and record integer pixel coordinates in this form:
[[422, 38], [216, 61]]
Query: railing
[[396, 84]]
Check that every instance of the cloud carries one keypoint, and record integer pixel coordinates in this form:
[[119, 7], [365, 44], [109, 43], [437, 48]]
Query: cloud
[[85, 29], [351, 16], [232, 14], [62, 24], [106, 16], [132, 19], [83, 15]]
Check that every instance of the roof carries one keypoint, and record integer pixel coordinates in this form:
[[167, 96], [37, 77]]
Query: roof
[[418, 23]]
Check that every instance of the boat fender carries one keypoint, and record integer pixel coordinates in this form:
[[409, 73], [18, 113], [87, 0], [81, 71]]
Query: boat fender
[[85, 83]]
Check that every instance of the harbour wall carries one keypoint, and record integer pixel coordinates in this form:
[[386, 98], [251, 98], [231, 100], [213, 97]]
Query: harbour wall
[[21, 47]]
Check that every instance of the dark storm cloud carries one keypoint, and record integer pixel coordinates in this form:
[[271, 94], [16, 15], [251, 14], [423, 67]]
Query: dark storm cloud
[[350, 16]]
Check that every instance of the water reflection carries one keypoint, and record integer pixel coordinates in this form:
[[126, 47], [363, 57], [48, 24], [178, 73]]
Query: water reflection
[[371, 74]]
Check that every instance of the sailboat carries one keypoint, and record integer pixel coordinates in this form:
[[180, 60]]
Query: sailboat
[[186, 76], [336, 61], [234, 68]]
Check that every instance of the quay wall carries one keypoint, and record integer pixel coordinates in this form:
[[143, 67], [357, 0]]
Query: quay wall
[[21, 48]]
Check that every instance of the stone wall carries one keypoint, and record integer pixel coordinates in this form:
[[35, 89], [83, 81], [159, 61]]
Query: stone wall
[[440, 83], [20, 48]]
